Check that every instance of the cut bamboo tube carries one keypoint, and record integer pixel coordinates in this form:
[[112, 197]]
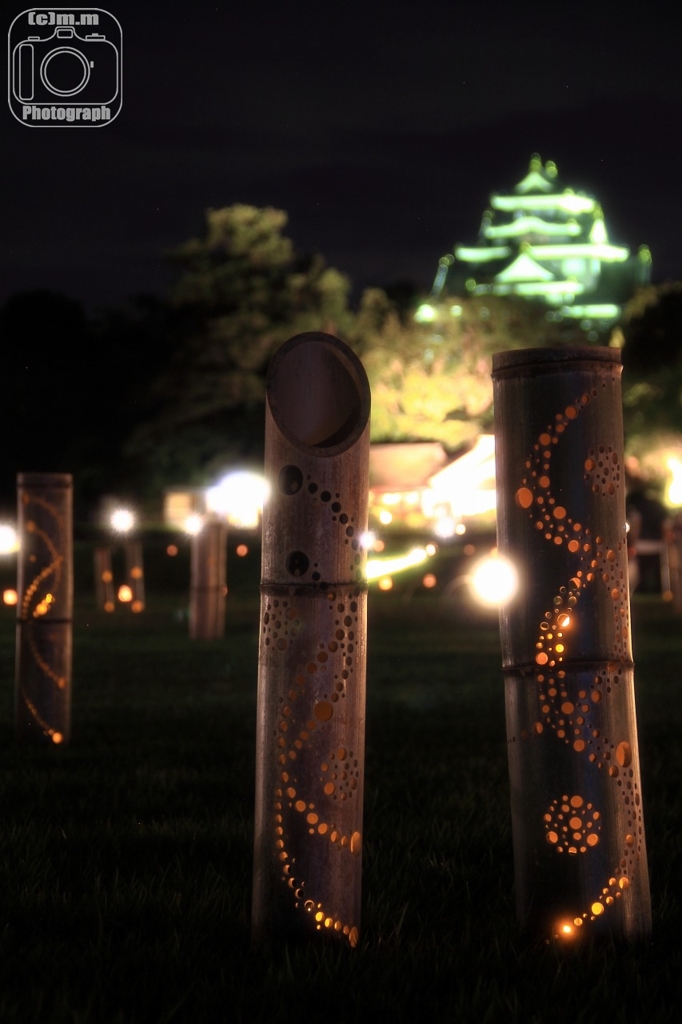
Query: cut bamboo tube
[[44, 623], [104, 580], [579, 846], [135, 573], [208, 586], [312, 658]]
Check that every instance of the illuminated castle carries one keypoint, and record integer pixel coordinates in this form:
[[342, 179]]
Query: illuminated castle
[[547, 242]]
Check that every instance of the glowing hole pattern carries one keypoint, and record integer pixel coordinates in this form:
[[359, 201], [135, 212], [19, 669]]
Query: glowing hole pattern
[[317, 629], [572, 823], [44, 610]]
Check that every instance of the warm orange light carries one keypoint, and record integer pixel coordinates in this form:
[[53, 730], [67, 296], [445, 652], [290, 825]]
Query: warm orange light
[[566, 930], [172, 550], [10, 596], [429, 581], [385, 583], [57, 737], [43, 606], [125, 594], [108, 606], [242, 550], [137, 606]]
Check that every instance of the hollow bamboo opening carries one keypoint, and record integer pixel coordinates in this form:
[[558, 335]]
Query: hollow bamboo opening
[[317, 394]]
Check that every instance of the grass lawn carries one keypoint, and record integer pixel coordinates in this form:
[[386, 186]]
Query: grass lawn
[[125, 858]]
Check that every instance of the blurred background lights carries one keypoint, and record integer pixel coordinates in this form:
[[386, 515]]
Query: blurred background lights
[[385, 583], [125, 594], [494, 581], [674, 495], [425, 314], [445, 528], [239, 497], [122, 520], [379, 568], [10, 597], [193, 524], [9, 541], [242, 550], [368, 540]]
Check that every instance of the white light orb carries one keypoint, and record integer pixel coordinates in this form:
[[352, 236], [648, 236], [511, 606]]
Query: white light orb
[[122, 520], [9, 541], [193, 524], [494, 580], [239, 497], [445, 528]]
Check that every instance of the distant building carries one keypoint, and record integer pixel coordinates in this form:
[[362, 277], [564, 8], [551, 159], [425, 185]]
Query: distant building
[[418, 487], [546, 242]]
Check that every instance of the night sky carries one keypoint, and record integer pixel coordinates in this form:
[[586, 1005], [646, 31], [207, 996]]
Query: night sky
[[381, 134]]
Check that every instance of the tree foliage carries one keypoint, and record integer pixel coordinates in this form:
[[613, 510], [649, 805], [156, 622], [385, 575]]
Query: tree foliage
[[241, 291], [652, 366], [431, 381]]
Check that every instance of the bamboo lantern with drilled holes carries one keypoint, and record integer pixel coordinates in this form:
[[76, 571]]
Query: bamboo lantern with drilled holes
[[44, 623], [312, 657], [579, 849], [208, 588], [135, 573], [104, 580]]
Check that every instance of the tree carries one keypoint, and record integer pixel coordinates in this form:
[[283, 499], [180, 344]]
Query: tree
[[431, 380], [651, 336], [241, 291]]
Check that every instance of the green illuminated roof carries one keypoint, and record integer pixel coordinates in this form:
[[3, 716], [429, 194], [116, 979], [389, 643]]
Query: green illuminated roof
[[545, 240], [568, 202], [532, 225], [524, 268], [605, 253], [482, 253]]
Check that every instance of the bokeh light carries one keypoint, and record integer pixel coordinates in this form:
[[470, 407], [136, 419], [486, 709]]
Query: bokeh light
[[122, 520], [239, 497], [9, 540], [494, 580]]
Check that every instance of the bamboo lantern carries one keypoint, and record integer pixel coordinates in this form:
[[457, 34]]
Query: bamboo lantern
[[208, 587], [312, 657], [44, 626], [135, 574], [104, 580], [579, 848]]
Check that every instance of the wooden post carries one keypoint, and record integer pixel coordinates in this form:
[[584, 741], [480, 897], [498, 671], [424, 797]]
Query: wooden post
[[579, 847], [104, 580], [312, 658], [44, 624], [208, 587], [135, 573]]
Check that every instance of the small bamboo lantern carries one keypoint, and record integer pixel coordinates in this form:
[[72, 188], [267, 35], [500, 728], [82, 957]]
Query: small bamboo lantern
[[312, 658], [579, 848], [135, 574], [208, 588], [104, 580], [44, 623]]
